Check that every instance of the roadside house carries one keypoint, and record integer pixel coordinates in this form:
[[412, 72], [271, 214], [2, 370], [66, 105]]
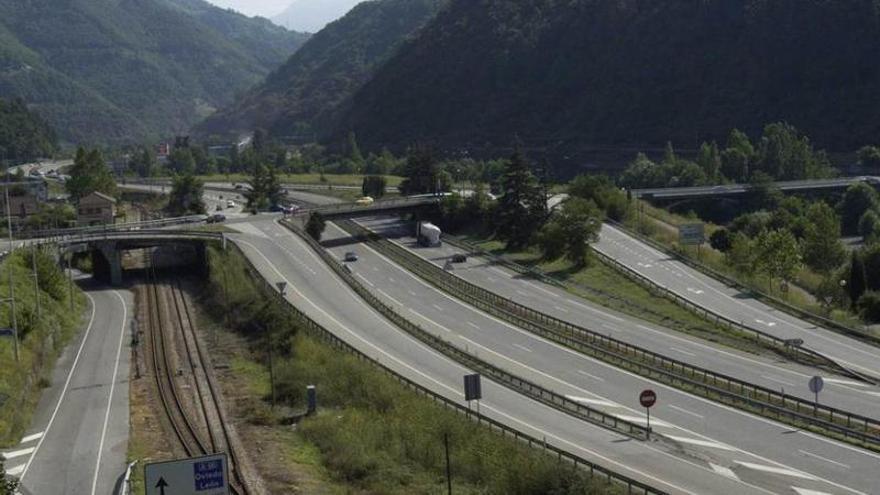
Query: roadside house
[[96, 209]]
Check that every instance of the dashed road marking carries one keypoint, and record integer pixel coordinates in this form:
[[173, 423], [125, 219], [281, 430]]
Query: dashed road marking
[[31, 438], [702, 443], [473, 325], [437, 307], [594, 377], [15, 453], [723, 471], [776, 470], [825, 459], [522, 347], [805, 491], [679, 409], [681, 351], [395, 301], [365, 280]]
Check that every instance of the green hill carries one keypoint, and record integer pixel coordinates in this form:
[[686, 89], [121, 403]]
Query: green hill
[[584, 75], [24, 135], [113, 71], [301, 97]]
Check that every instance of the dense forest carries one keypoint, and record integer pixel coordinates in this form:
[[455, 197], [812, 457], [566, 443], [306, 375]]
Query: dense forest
[[301, 97], [103, 71], [580, 75], [24, 135]]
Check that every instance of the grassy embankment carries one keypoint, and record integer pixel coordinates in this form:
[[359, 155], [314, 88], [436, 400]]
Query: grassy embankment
[[42, 337], [372, 434], [662, 226]]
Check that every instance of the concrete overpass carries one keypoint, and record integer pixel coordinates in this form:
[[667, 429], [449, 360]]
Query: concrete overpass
[[733, 190]]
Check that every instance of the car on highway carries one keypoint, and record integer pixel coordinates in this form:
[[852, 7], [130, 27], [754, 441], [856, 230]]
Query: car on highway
[[230, 203], [365, 201], [216, 218], [459, 258], [351, 256]]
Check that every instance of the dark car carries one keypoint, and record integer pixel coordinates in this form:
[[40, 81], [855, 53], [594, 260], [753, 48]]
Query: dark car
[[351, 256], [459, 258], [216, 218]]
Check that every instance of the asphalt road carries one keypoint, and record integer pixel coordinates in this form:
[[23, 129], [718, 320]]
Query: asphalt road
[[727, 189], [708, 448], [768, 371], [712, 294], [78, 439]]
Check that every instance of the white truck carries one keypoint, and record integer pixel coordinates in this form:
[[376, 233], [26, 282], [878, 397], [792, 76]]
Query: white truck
[[428, 234]]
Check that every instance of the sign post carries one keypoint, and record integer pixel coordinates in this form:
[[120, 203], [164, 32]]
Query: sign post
[[473, 389], [692, 234], [648, 398], [206, 475], [816, 386]]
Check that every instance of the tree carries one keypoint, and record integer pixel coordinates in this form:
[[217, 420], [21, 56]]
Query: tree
[[571, 231], [737, 158], [741, 256], [354, 151], [869, 158], [857, 284], [869, 306], [709, 159], [144, 163], [521, 208], [785, 154], [88, 174], [265, 189], [871, 261], [181, 161], [823, 250], [423, 173], [601, 190], [186, 196], [869, 227], [721, 240], [763, 193], [858, 199], [315, 226], [373, 186], [8, 484], [777, 255]]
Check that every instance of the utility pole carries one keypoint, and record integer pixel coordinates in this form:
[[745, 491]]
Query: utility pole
[[448, 465], [70, 280], [9, 273], [36, 277]]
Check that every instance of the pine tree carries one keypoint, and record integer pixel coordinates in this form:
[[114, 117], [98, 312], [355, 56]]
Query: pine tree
[[521, 208], [857, 283]]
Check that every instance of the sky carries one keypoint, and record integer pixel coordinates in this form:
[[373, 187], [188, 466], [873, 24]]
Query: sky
[[300, 15], [265, 8]]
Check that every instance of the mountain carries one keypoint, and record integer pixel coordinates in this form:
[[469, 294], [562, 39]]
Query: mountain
[[302, 96], [24, 136], [581, 75], [310, 16], [120, 71]]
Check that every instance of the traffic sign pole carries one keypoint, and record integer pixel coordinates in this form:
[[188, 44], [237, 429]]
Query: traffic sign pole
[[648, 398]]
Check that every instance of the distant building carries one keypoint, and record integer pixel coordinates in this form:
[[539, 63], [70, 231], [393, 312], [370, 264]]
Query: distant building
[[21, 207], [96, 209], [36, 187]]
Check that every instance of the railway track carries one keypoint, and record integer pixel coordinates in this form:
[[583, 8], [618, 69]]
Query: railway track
[[206, 432]]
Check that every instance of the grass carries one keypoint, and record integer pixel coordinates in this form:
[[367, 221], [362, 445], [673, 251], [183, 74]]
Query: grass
[[373, 434], [42, 339], [606, 286]]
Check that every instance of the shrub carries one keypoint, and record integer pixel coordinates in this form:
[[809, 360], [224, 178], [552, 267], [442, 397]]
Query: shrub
[[869, 306]]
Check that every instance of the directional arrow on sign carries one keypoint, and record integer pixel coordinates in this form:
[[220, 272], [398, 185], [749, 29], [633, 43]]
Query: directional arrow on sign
[[161, 486]]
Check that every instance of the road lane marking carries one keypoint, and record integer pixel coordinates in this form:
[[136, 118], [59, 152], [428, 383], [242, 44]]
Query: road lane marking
[[63, 392], [395, 301], [723, 471], [15, 453], [594, 377], [31, 438], [112, 388], [825, 459], [438, 308], [775, 470], [777, 380], [522, 347], [16, 471], [365, 280], [591, 402], [804, 491], [846, 382], [644, 420], [695, 291], [679, 409], [686, 353], [559, 308], [473, 325], [702, 443], [768, 323]]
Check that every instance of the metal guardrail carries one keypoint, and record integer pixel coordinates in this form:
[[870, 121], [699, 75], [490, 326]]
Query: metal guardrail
[[504, 378], [166, 222], [707, 383], [731, 282], [314, 329]]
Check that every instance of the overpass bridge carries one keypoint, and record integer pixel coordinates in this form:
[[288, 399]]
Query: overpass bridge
[[734, 190]]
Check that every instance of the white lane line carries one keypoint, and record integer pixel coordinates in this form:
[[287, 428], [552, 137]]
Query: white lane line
[[804, 491], [496, 270], [679, 409], [391, 279], [473, 325], [594, 377], [643, 420], [776, 470], [559, 308], [16, 471], [825, 459], [437, 307], [777, 380], [594, 310], [365, 280], [15, 453], [63, 391], [522, 347], [542, 289], [850, 383], [112, 388], [723, 471], [591, 402], [31, 438], [702, 443], [686, 353], [395, 301]]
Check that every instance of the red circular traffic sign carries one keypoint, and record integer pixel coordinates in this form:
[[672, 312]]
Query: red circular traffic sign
[[648, 398]]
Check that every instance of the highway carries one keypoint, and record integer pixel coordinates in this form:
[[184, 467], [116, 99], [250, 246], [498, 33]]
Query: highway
[[701, 430], [731, 303], [78, 439], [768, 370], [314, 288], [734, 189]]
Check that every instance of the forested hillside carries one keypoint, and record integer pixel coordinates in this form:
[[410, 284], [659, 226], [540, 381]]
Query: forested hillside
[[111, 71], [301, 97], [577, 75], [23, 135]]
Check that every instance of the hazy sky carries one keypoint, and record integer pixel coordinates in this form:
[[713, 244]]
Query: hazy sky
[[265, 8]]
